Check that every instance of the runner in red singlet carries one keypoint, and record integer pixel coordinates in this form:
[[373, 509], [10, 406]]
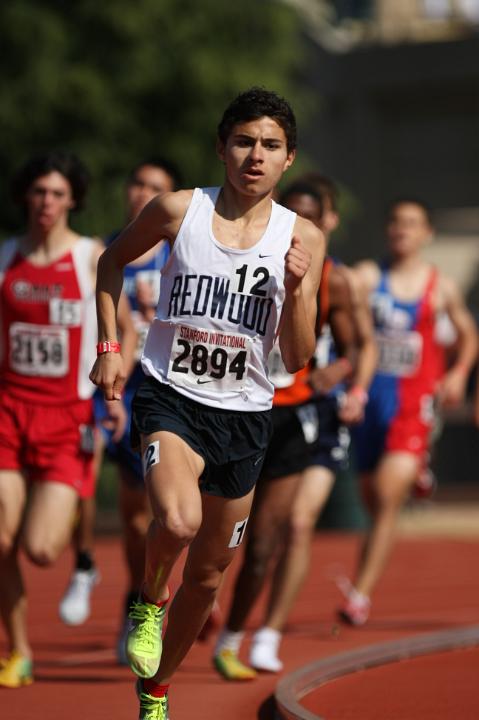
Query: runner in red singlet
[[48, 332]]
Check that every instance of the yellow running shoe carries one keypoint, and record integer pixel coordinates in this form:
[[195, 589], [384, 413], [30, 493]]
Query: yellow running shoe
[[144, 644], [16, 671], [151, 708], [230, 666]]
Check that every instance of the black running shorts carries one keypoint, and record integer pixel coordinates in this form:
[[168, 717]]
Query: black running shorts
[[232, 443], [304, 436]]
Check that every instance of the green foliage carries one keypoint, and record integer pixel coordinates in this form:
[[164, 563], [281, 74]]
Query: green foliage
[[118, 81]]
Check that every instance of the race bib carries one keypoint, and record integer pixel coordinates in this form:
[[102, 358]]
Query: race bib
[[39, 350], [142, 328], [400, 354], [322, 352], [277, 372], [65, 312], [206, 357]]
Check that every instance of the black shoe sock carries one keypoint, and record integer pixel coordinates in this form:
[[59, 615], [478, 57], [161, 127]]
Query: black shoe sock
[[84, 561], [130, 597]]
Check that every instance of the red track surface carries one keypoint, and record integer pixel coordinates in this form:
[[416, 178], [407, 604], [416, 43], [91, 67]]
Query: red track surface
[[437, 686], [430, 585]]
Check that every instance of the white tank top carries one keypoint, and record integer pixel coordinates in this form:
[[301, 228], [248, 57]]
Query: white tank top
[[219, 310]]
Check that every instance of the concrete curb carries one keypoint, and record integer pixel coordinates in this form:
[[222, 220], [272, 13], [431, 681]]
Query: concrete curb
[[299, 683]]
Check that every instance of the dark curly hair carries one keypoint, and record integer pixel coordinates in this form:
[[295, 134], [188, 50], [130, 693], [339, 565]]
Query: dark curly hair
[[324, 186], [411, 200], [67, 164], [255, 103], [162, 163], [299, 187]]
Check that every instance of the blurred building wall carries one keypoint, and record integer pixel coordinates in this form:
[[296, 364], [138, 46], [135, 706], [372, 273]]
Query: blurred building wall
[[398, 114], [397, 120]]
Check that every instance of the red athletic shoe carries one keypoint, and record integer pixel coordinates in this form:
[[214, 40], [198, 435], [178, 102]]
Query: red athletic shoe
[[356, 608]]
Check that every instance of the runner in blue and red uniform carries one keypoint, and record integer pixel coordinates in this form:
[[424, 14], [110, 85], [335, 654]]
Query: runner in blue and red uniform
[[141, 286], [311, 411], [407, 294]]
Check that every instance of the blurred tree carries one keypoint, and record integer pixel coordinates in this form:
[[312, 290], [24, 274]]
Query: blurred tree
[[117, 81]]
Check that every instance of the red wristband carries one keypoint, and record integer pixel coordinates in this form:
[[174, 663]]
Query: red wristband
[[107, 346], [360, 393]]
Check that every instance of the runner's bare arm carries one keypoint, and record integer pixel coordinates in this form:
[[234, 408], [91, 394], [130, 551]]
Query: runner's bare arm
[[368, 273], [367, 349], [453, 385], [303, 264], [362, 350], [128, 334], [160, 219]]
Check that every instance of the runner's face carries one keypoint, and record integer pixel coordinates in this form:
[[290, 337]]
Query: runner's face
[[305, 206], [255, 156], [329, 218], [408, 230], [147, 182], [49, 200]]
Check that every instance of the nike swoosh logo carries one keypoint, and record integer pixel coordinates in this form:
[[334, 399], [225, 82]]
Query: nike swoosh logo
[[263, 256], [203, 382]]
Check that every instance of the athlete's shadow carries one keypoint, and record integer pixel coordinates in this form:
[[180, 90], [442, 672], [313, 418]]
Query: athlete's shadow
[[69, 646], [329, 630], [67, 678], [268, 710]]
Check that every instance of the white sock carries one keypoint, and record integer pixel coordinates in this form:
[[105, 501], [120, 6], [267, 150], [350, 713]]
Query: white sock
[[229, 640], [357, 597], [264, 650]]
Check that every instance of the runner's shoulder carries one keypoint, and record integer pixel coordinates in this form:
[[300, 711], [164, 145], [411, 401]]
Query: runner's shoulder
[[309, 234], [171, 205], [367, 273]]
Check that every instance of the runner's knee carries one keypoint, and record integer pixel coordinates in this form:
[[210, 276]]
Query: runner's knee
[[7, 542], [204, 581], [258, 554], [136, 524], [181, 528], [300, 528], [40, 552]]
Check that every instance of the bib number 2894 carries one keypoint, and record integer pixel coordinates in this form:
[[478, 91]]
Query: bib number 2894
[[203, 357]]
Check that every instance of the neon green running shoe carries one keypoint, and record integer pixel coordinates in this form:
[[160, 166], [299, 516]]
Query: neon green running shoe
[[151, 708], [144, 644]]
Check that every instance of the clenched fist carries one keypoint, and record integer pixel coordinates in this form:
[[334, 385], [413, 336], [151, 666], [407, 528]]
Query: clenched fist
[[296, 264]]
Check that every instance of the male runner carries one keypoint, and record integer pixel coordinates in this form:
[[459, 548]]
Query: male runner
[[309, 445], [47, 301], [407, 294], [148, 178], [241, 269]]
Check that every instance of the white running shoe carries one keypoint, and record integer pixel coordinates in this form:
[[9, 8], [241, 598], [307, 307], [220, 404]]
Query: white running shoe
[[264, 650], [74, 606]]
